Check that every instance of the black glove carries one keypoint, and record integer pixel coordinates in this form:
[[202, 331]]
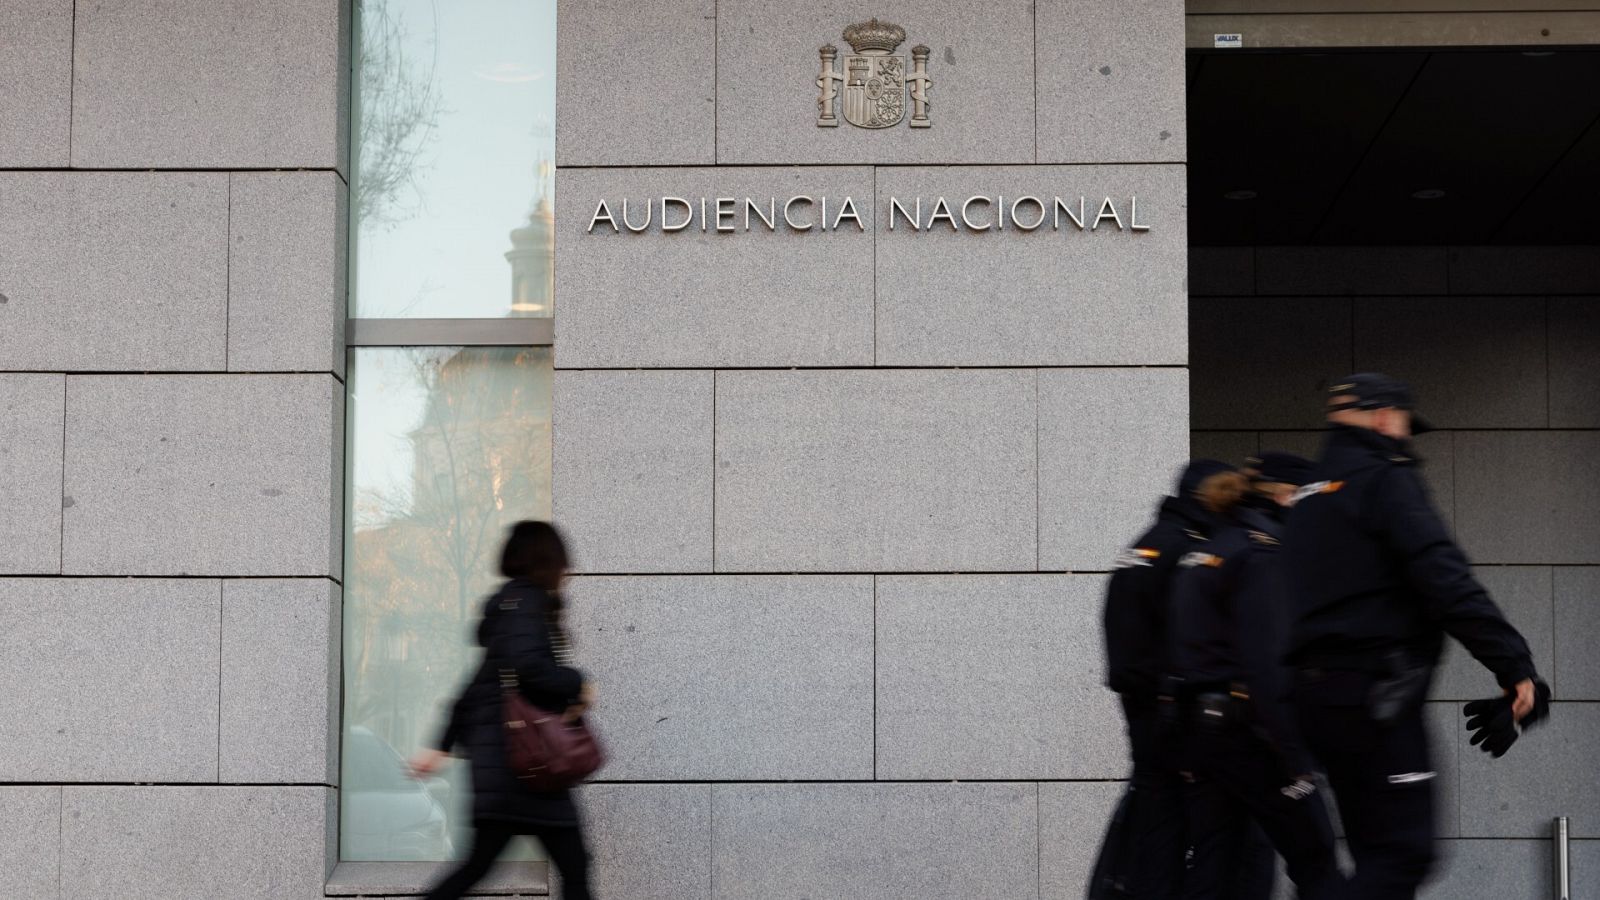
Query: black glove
[[1492, 725]]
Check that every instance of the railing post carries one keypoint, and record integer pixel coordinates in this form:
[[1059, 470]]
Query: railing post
[[1563, 862]]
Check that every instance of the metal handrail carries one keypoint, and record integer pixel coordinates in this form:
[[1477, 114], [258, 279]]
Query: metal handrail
[[1563, 859]]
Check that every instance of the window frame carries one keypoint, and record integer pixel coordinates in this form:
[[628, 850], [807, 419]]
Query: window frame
[[349, 878], [356, 878], [507, 332], [361, 878]]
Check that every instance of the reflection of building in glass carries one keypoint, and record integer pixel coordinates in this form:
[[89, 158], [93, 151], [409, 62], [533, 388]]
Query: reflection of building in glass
[[480, 461], [533, 261], [479, 448], [482, 441]]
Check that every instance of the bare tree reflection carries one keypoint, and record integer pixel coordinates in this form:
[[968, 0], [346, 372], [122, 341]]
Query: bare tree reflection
[[426, 555], [399, 103], [473, 452]]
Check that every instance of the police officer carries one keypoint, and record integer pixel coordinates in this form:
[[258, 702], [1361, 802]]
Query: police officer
[[1228, 598], [1135, 626], [1377, 582], [1165, 817]]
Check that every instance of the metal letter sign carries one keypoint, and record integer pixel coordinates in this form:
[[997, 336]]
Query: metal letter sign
[[874, 81]]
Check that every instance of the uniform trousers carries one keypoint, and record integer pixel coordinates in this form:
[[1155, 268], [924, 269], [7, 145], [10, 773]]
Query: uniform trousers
[[1189, 840], [562, 844], [1230, 856], [1156, 816], [1250, 773], [1382, 779]]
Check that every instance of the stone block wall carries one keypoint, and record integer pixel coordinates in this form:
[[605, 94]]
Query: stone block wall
[[173, 179], [843, 501], [1503, 347]]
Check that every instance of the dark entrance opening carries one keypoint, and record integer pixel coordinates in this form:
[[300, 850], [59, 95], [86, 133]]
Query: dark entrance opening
[[1430, 213]]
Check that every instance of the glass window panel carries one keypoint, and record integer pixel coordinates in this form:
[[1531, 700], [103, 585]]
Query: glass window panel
[[447, 447], [455, 145]]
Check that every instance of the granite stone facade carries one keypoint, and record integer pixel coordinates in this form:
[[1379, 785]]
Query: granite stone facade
[[862, 471], [172, 283], [842, 499], [771, 448]]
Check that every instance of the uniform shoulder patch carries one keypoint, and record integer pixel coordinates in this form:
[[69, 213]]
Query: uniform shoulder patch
[[1132, 557], [1315, 488], [1198, 558]]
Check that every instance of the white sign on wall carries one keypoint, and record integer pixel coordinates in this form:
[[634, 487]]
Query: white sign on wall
[[803, 213]]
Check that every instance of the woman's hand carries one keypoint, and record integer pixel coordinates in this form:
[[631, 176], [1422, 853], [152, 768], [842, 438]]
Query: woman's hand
[[586, 696], [426, 762]]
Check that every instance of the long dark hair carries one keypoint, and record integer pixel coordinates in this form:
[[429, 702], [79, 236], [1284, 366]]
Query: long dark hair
[[535, 552]]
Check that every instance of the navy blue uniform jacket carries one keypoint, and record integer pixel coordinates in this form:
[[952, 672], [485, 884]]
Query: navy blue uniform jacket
[[1135, 614], [1230, 610], [1373, 568]]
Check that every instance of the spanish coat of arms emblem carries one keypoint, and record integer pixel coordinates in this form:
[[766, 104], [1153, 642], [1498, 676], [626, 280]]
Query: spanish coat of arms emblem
[[874, 80]]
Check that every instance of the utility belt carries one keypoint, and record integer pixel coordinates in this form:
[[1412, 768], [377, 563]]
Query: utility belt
[[1313, 663], [1391, 683], [1214, 706]]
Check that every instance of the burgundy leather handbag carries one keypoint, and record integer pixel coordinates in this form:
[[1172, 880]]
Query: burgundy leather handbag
[[545, 751]]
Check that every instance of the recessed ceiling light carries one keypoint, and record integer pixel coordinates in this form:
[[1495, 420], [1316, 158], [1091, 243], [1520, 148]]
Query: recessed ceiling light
[[1239, 195], [1428, 194]]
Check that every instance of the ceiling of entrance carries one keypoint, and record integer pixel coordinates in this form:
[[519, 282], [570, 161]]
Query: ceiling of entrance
[[1394, 147]]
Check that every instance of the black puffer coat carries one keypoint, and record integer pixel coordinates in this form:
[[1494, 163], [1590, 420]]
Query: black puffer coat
[[515, 632]]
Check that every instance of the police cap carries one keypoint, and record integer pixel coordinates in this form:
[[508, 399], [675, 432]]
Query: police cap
[[1375, 390], [1279, 467], [1196, 471]]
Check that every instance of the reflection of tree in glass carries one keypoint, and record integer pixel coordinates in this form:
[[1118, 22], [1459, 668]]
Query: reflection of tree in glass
[[475, 457], [398, 111], [480, 461]]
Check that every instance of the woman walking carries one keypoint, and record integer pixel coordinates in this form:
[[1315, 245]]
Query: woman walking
[[521, 632]]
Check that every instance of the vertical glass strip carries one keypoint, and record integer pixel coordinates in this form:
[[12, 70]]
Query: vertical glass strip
[[447, 447]]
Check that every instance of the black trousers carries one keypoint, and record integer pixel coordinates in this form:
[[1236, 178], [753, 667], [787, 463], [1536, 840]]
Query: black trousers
[[1230, 858], [564, 846], [1382, 779], [1249, 772], [1172, 817], [1157, 824]]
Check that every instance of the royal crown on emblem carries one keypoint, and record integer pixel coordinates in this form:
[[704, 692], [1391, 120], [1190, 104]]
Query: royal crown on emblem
[[874, 35]]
